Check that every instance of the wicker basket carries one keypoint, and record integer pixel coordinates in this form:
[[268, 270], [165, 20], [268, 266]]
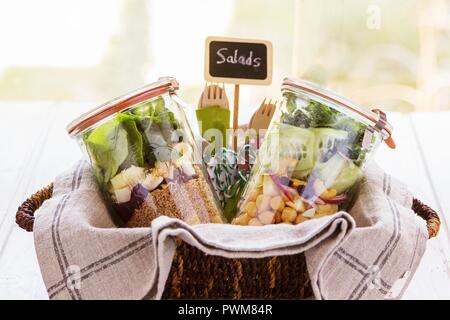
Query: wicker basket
[[196, 275]]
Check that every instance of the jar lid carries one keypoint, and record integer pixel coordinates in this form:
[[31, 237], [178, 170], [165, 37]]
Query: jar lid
[[163, 85], [376, 116]]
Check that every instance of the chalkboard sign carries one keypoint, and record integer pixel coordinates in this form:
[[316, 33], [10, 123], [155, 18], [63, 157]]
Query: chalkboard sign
[[239, 61]]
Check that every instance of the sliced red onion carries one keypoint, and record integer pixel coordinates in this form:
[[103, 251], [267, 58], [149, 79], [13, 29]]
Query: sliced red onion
[[319, 201], [336, 200], [126, 209], [310, 202], [287, 191]]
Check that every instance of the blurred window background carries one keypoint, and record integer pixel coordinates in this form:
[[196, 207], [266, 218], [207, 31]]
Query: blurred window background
[[392, 54]]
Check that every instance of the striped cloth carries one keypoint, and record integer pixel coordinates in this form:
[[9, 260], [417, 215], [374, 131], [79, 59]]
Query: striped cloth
[[370, 254]]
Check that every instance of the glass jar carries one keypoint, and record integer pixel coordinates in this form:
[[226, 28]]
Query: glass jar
[[312, 157], [144, 157]]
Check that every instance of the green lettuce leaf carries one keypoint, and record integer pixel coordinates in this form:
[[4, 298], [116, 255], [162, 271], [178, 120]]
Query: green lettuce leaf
[[107, 147], [135, 141]]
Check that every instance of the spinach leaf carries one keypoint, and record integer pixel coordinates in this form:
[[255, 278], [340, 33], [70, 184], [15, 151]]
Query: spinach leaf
[[157, 111], [130, 139], [157, 125], [107, 147], [135, 142]]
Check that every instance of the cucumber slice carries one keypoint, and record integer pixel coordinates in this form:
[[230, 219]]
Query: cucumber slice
[[347, 178], [286, 141], [329, 171], [301, 174], [326, 141], [338, 173]]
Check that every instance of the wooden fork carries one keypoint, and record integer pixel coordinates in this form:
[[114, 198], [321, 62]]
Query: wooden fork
[[262, 117], [213, 95]]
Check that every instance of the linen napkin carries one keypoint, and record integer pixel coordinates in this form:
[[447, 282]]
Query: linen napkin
[[214, 117], [370, 254]]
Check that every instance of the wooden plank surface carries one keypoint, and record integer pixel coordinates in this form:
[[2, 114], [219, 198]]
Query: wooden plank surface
[[39, 149], [407, 163]]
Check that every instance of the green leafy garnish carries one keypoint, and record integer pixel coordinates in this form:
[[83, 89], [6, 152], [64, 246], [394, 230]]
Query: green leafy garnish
[[356, 130], [107, 147], [131, 138], [135, 142], [321, 115], [318, 115], [156, 111]]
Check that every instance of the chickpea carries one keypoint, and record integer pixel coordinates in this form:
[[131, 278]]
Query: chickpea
[[245, 219], [254, 222], [262, 203], [288, 215], [300, 218], [266, 217], [277, 203], [242, 220], [250, 209], [278, 217]]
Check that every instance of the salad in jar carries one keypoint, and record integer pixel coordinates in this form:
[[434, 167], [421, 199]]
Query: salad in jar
[[312, 158], [145, 160]]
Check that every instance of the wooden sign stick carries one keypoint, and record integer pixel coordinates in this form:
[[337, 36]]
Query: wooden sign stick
[[235, 115], [238, 61]]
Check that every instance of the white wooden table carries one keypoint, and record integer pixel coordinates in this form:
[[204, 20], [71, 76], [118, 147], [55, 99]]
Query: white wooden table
[[34, 148]]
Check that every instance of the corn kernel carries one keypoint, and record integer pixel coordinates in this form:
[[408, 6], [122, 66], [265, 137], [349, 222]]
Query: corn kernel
[[288, 215], [328, 194], [253, 195], [250, 209], [326, 209], [298, 183]]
